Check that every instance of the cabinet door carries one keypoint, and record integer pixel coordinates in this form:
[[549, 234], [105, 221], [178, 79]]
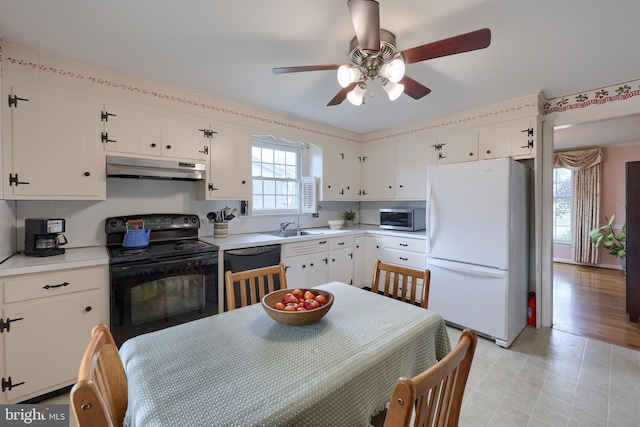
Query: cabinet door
[[333, 174], [513, 138], [411, 169], [341, 171], [341, 265], [184, 138], [494, 142], [230, 165], [458, 147], [44, 348], [52, 147], [317, 269], [131, 131], [378, 174], [361, 273], [352, 175], [306, 271]]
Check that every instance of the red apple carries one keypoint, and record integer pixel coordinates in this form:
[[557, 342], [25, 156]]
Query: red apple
[[309, 295], [310, 304], [289, 298]]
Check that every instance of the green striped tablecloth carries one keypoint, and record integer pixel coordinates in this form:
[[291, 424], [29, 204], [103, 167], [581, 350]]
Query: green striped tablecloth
[[241, 368]]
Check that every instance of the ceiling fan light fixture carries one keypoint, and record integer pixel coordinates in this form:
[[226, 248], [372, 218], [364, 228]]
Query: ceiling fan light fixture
[[394, 70], [394, 90], [347, 75], [356, 96]]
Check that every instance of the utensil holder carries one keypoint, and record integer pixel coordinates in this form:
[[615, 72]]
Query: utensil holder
[[220, 229]]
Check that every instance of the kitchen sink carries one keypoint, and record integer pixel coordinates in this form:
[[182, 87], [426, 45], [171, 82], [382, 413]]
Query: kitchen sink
[[290, 233]]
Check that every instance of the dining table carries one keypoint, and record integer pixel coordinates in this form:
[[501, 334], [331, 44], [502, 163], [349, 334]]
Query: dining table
[[242, 368]]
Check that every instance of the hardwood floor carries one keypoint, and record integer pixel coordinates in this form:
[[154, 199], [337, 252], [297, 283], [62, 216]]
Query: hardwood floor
[[590, 302]]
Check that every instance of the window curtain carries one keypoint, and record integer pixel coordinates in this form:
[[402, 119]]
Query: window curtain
[[587, 175]]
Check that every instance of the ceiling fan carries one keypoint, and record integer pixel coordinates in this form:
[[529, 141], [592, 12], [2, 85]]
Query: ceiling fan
[[374, 55]]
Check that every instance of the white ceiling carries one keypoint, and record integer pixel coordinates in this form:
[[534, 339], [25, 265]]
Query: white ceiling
[[228, 48]]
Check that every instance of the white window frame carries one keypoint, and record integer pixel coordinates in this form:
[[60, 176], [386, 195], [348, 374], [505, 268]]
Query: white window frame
[[555, 185], [270, 142]]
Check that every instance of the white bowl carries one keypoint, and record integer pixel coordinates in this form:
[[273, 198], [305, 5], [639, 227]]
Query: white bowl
[[336, 224]]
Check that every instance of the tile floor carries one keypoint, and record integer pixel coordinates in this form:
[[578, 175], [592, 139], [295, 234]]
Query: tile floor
[[546, 378]]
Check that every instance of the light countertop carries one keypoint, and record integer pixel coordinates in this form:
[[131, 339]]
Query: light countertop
[[235, 241], [97, 255], [72, 258]]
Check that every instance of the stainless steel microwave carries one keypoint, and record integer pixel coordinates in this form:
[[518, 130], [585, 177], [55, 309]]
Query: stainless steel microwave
[[403, 219]]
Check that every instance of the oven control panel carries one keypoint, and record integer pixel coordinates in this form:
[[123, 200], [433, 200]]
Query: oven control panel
[[152, 222]]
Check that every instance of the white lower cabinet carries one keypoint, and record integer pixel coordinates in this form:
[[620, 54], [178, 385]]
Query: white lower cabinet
[[407, 251], [46, 325], [306, 263], [314, 262], [341, 260]]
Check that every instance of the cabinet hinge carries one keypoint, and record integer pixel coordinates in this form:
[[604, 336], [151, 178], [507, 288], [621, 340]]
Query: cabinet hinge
[[342, 155], [8, 385], [104, 137], [104, 116], [205, 150], [208, 133], [7, 325], [13, 100], [13, 180], [440, 156], [528, 131], [438, 147], [211, 187]]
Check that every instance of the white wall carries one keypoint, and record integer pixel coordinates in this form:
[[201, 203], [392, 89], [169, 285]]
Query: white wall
[[85, 219]]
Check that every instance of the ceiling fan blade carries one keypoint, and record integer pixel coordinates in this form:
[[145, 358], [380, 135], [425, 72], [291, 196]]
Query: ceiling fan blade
[[283, 70], [413, 88], [365, 15], [342, 95], [463, 43]]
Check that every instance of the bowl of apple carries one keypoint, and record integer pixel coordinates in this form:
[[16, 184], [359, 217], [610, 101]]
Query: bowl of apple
[[297, 307]]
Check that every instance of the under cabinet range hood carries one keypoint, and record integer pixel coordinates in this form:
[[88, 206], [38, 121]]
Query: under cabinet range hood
[[131, 167]]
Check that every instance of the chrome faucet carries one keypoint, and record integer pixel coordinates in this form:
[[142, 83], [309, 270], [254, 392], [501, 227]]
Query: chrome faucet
[[284, 225]]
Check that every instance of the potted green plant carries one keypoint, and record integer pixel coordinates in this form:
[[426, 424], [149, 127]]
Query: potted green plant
[[615, 243], [349, 216]]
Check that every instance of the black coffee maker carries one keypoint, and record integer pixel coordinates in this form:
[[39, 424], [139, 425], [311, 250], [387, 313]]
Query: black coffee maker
[[43, 237]]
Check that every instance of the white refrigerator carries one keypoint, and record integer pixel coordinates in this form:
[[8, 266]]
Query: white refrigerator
[[478, 247]]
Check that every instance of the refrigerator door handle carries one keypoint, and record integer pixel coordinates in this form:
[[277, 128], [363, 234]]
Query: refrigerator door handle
[[466, 268], [429, 195]]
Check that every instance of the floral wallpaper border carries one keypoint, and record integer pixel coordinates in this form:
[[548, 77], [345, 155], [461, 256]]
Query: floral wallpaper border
[[600, 96]]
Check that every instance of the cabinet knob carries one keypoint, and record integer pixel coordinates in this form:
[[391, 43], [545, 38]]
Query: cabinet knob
[[87, 308], [471, 154], [488, 151], [87, 174], [153, 145], [244, 182], [328, 186], [168, 147], [400, 185]]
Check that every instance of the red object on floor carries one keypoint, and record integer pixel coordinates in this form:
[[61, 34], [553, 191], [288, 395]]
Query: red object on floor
[[531, 309]]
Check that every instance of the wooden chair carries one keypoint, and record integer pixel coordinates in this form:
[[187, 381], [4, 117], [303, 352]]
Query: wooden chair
[[434, 397], [400, 281], [99, 398], [252, 284]]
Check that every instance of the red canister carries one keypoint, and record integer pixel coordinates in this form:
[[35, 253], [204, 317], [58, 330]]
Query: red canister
[[531, 309]]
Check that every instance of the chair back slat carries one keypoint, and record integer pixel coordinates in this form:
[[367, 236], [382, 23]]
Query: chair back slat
[[433, 398], [251, 285], [400, 282]]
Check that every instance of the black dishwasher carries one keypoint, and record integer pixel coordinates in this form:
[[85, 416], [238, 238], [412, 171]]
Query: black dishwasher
[[244, 259]]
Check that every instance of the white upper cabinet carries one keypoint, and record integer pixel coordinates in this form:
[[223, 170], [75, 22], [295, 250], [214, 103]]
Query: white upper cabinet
[[412, 161], [341, 171], [514, 138], [131, 130], [457, 147], [229, 172], [378, 174], [52, 146]]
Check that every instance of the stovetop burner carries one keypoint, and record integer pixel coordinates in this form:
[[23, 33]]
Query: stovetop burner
[[172, 235]]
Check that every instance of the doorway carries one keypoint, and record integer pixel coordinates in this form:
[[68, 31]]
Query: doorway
[[580, 292]]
